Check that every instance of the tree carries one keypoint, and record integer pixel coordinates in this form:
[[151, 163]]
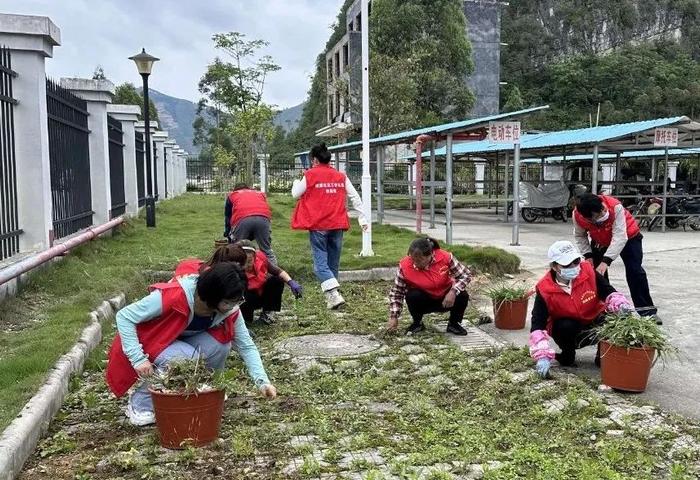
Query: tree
[[232, 91], [126, 94]]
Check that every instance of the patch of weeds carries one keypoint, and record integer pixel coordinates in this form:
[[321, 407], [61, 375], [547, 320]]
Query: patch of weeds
[[59, 443], [310, 467]]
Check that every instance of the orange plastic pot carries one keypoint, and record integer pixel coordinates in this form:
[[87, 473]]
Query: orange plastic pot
[[510, 315], [185, 420], [625, 369]]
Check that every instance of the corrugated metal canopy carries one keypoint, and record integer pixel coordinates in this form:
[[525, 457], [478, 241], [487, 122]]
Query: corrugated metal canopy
[[611, 138], [445, 128]]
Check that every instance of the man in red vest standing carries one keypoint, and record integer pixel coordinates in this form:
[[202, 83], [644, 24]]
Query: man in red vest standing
[[321, 210], [604, 230], [247, 217]]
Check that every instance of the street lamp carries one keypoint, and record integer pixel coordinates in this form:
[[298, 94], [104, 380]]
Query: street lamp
[[144, 63]]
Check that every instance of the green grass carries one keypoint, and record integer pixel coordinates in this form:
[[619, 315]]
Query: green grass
[[45, 319], [470, 409]]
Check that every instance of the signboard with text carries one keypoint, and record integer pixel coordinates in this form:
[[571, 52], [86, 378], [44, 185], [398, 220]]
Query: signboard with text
[[504, 132], [666, 137]]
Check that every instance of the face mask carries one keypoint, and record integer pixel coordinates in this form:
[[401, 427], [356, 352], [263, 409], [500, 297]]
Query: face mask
[[570, 273], [604, 218]]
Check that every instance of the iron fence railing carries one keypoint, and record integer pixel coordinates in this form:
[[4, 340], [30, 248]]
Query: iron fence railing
[[69, 156], [140, 169], [116, 167], [10, 230]]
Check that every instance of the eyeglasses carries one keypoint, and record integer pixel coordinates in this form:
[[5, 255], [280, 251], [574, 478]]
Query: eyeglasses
[[231, 304]]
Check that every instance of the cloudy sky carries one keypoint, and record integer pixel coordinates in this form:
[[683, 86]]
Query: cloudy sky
[[107, 32]]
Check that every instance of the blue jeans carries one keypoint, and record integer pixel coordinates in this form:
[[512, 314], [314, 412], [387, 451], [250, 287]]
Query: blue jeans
[[213, 352], [326, 246]]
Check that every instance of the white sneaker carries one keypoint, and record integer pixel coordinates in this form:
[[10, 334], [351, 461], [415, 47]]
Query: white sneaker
[[139, 419], [334, 299]]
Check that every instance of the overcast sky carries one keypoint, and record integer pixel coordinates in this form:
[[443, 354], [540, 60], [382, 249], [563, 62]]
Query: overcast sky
[[107, 32]]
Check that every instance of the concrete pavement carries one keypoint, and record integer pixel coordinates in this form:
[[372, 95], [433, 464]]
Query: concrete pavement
[[672, 262]]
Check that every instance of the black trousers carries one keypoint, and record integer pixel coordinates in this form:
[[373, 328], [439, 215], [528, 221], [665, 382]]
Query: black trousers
[[419, 303], [270, 300], [570, 334], [637, 282]]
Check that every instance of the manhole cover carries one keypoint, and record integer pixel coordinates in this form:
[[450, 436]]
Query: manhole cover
[[329, 345]]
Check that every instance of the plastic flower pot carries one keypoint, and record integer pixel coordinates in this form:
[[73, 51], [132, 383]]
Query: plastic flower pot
[[510, 314], [184, 420], [625, 369]]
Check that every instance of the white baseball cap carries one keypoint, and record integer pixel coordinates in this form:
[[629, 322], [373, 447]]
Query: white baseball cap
[[563, 252]]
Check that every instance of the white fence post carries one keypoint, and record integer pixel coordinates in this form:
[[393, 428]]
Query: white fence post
[[31, 40], [97, 93], [128, 115]]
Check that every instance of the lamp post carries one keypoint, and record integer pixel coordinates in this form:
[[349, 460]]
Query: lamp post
[[144, 63]]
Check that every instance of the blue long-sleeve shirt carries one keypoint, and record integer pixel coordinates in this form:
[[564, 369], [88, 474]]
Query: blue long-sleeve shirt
[[151, 307]]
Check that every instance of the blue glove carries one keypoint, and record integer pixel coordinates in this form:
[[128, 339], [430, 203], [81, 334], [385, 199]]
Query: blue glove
[[542, 367], [295, 288]]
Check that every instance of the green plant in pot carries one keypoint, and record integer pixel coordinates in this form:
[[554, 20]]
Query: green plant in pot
[[509, 305], [188, 401], [629, 347]]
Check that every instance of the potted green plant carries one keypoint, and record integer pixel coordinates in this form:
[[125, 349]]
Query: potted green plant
[[188, 401], [629, 345], [509, 305]]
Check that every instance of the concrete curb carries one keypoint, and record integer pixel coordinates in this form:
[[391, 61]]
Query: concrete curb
[[372, 274], [20, 438]]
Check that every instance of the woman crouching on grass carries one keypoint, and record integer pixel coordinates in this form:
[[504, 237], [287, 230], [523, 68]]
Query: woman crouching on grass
[[193, 315], [265, 279], [430, 280]]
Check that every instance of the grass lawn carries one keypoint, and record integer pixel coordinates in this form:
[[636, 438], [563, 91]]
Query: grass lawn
[[45, 319], [417, 408]]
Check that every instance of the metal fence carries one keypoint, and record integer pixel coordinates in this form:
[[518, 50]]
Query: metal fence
[[155, 171], [140, 168], [205, 176], [165, 172], [69, 156], [116, 167], [9, 221]]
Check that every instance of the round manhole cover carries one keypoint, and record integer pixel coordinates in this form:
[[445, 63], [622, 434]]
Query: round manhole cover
[[329, 345]]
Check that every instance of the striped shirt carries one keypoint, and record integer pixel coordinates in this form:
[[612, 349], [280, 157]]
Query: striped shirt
[[457, 271]]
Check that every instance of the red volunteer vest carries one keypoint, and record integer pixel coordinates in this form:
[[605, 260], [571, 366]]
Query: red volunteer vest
[[257, 277], [435, 280], [602, 233], [155, 335], [322, 206], [248, 203], [189, 266], [583, 304]]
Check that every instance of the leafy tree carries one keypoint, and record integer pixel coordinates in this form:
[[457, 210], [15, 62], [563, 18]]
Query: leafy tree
[[126, 94], [232, 91]]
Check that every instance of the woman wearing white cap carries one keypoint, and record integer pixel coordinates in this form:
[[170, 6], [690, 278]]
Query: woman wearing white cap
[[571, 299]]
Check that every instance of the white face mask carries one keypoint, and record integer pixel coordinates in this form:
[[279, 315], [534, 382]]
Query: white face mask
[[570, 273], [604, 218]]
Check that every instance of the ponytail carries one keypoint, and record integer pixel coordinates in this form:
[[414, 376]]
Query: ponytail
[[424, 246], [321, 153], [228, 253]]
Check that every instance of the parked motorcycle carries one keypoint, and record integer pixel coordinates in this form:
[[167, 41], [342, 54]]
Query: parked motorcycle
[[685, 209], [542, 201]]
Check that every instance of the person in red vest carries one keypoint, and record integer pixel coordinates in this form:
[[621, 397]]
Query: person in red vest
[[605, 230], [430, 280], [265, 284], [321, 210], [193, 315], [247, 217], [571, 300], [265, 280]]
